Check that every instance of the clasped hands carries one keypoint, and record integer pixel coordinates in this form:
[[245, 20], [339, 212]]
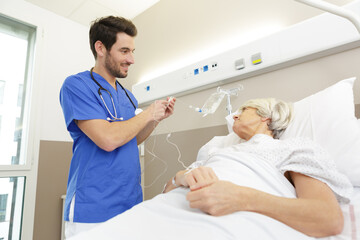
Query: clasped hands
[[208, 193]]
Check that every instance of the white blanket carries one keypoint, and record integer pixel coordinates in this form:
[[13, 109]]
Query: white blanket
[[168, 216]]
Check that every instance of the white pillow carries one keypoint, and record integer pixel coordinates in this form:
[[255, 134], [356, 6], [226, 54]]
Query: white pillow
[[328, 117], [230, 121]]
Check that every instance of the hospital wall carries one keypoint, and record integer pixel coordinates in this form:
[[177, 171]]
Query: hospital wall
[[290, 84]]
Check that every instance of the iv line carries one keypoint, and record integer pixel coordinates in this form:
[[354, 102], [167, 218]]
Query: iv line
[[177, 148], [210, 106], [155, 156]]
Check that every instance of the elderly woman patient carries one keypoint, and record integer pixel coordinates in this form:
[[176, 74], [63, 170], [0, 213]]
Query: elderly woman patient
[[247, 185], [318, 185]]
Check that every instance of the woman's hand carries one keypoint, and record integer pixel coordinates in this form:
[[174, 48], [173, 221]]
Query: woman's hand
[[196, 178], [220, 198]]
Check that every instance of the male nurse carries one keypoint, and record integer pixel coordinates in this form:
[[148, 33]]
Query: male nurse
[[106, 127]]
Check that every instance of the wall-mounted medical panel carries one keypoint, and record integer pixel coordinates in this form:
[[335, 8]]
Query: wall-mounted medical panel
[[316, 37]]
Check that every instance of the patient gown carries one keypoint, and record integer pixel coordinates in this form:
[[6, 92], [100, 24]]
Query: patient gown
[[259, 163]]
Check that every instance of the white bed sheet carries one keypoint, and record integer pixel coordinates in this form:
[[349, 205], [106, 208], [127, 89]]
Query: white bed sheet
[[168, 216], [163, 218]]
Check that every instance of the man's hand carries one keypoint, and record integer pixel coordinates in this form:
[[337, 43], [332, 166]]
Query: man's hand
[[161, 109]]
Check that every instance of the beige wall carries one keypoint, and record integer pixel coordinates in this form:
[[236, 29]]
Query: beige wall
[[54, 163]]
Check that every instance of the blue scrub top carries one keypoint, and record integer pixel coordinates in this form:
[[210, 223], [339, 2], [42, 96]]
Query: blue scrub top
[[105, 183]]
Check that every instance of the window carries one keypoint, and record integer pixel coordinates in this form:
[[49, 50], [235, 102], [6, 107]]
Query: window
[[16, 48], [11, 201], [2, 89], [20, 95], [3, 203]]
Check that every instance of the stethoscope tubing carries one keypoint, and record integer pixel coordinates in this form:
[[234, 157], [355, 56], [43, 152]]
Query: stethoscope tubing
[[112, 100]]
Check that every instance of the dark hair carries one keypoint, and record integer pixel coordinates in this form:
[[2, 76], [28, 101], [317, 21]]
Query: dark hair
[[105, 30]]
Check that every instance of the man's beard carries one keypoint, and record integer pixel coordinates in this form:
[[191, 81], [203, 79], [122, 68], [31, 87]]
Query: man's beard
[[113, 68]]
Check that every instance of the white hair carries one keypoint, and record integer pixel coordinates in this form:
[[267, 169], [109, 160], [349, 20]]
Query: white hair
[[278, 111]]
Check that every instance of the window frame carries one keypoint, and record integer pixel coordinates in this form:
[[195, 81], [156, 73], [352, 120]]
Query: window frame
[[29, 138]]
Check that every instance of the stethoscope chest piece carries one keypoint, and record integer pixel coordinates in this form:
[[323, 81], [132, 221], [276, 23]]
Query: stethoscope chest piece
[[109, 119], [138, 110]]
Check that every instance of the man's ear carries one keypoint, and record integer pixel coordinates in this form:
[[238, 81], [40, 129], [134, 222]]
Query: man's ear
[[100, 48]]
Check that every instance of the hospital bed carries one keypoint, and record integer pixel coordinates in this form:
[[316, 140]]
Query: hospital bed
[[327, 117]]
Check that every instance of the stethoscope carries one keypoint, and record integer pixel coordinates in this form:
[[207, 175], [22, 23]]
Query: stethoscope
[[114, 118]]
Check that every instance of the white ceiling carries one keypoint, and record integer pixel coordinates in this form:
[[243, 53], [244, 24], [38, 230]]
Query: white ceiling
[[85, 11]]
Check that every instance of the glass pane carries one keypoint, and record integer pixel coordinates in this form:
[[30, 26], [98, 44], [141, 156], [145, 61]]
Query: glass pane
[[2, 89], [13, 62], [11, 205]]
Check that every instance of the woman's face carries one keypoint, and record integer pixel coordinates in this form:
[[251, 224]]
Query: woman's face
[[247, 123]]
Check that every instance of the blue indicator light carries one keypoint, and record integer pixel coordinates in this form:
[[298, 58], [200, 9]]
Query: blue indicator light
[[205, 68], [147, 88], [196, 71]]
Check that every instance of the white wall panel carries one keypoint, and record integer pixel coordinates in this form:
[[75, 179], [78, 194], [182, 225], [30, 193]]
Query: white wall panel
[[316, 37]]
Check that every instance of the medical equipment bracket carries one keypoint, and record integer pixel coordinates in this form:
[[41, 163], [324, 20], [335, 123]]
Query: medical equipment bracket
[[313, 38], [213, 102], [331, 8]]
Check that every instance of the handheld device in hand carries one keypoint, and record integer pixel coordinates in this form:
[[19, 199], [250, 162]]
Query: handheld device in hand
[[169, 100]]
